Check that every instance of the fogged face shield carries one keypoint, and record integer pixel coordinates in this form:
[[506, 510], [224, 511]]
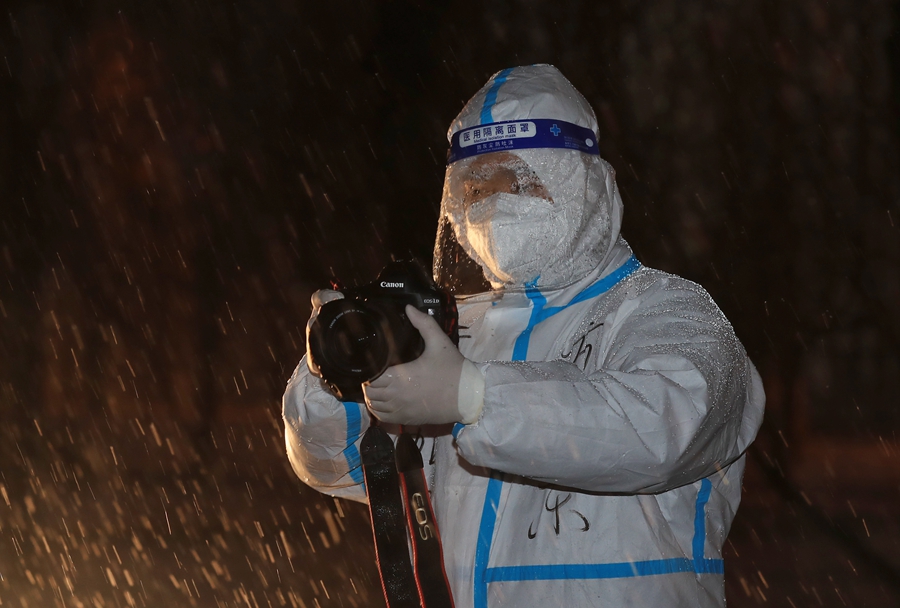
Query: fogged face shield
[[512, 219], [495, 204]]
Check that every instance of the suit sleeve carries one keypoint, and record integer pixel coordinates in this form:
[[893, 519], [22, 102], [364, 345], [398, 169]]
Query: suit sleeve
[[671, 398], [322, 436]]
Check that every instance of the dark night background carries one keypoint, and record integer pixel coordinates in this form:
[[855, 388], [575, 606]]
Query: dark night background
[[178, 177]]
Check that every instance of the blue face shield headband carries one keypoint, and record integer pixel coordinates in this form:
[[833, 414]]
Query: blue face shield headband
[[518, 134]]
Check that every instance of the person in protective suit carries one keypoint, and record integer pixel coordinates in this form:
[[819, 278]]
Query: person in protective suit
[[597, 411]]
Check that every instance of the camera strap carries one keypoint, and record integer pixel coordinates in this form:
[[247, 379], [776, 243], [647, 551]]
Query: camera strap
[[428, 557], [386, 511], [390, 482]]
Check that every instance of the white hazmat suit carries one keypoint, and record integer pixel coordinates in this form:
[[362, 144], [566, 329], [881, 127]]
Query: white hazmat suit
[[603, 466]]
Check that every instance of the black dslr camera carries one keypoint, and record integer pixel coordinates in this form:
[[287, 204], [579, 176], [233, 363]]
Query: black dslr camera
[[355, 339]]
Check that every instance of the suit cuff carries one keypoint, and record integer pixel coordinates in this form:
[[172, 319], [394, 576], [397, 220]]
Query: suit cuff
[[471, 393]]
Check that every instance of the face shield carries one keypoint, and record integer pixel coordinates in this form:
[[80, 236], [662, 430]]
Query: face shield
[[468, 184], [500, 223], [527, 200]]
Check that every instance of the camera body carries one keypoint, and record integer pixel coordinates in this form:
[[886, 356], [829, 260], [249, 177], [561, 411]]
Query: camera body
[[353, 340]]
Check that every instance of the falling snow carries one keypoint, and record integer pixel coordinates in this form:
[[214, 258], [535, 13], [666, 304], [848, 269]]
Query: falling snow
[[179, 177]]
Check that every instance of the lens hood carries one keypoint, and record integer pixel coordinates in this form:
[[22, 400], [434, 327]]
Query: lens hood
[[349, 343]]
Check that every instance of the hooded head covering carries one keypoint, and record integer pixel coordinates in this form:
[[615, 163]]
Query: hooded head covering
[[550, 213]]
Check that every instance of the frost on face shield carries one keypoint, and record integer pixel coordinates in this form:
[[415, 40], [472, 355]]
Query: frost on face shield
[[508, 219], [493, 203], [454, 269]]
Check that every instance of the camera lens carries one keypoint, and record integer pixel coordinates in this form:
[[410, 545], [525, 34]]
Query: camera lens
[[348, 341], [355, 340]]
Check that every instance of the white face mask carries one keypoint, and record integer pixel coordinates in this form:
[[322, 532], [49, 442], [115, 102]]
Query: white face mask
[[515, 236]]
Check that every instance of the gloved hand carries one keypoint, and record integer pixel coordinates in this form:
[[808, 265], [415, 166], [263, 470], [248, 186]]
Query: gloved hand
[[427, 390], [318, 300]]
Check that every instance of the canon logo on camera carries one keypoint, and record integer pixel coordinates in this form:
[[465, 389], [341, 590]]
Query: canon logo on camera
[[390, 284]]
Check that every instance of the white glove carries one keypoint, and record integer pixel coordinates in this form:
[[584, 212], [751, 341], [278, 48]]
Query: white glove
[[439, 387], [318, 300]]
